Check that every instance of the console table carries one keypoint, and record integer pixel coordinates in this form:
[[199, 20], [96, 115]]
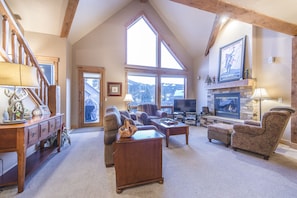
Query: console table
[[138, 159], [18, 137]]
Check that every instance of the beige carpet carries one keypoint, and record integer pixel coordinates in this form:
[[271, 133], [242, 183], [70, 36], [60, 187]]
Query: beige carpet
[[200, 169]]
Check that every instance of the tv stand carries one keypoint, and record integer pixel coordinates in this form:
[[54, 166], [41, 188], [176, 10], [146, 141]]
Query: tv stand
[[189, 118]]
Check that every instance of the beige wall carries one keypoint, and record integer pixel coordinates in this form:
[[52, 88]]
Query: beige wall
[[105, 47], [49, 45], [275, 77]]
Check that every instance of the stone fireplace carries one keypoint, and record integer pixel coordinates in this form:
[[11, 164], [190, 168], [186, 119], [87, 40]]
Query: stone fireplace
[[233, 98]]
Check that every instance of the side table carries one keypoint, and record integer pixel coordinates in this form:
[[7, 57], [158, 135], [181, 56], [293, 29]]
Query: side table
[[138, 159]]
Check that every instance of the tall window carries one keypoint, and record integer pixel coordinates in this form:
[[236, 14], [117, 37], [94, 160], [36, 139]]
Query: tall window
[[141, 44], [142, 88], [172, 88], [145, 49]]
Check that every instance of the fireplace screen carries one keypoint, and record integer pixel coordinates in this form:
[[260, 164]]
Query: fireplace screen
[[227, 105]]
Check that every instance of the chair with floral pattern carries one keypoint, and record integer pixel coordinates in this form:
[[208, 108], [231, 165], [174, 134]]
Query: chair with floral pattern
[[262, 137]]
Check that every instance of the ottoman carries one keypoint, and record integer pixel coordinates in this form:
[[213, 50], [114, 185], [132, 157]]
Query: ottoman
[[221, 132]]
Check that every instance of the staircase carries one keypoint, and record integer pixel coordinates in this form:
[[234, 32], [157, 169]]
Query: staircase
[[15, 49]]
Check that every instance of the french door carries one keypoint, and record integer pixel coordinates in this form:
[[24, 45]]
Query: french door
[[90, 96]]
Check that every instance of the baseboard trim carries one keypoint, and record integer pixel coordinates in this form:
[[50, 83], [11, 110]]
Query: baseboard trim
[[289, 143]]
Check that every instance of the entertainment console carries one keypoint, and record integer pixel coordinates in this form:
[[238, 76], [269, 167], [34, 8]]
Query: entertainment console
[[189, 118], [185, 111]]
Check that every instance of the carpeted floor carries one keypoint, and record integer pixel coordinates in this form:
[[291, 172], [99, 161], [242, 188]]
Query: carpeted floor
[[200, 169], [86, 130]]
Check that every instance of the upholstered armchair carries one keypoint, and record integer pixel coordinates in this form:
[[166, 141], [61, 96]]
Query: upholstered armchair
[[146, 112], [262, 137]]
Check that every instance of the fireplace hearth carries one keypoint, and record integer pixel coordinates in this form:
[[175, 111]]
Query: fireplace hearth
[[227, 105]]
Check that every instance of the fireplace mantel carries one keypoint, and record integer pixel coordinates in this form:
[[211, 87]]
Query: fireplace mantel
[[238, 83]]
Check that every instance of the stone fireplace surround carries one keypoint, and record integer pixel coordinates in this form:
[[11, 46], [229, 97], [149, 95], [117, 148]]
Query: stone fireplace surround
[[248, 108]]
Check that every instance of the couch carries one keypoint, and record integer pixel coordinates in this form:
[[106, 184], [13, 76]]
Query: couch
[[146, 112], [262, 137], [112, 121]]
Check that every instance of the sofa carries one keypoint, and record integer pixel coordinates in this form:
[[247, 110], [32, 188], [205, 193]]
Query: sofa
[[112, 121], [146, 112], [262, 137]]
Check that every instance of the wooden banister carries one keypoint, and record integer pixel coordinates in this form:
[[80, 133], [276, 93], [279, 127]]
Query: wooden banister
[[15, 49]]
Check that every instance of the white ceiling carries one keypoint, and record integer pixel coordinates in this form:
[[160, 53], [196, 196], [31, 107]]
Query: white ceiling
[[191, 26]]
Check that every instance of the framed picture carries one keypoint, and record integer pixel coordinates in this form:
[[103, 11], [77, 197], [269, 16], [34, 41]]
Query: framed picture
[[114, 89], [232, 61]]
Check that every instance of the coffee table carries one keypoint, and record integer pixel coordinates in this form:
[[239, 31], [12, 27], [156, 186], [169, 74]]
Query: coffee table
[[178, 128]]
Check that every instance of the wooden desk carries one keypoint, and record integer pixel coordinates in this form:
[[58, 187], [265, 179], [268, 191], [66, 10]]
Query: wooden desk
[[138, 160], [18, 137]]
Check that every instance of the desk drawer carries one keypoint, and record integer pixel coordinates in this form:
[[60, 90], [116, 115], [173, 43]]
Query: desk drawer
[[44, 129], [33, 134], [58, 123], [52, 125]]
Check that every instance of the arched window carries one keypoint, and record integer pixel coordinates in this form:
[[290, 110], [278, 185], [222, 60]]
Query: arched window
[[155, 74]]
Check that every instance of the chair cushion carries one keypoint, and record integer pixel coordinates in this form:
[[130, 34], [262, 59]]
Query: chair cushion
[[221, 128]]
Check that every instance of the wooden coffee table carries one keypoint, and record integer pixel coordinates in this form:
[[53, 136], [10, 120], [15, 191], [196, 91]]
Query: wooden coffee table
[[178, 128]]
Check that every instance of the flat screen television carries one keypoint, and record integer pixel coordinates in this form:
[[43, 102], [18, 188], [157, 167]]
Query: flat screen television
[[184, 105]]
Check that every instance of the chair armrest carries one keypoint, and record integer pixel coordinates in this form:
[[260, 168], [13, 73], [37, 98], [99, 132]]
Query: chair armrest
[[252, 122], [133, 116], [142, 117], [110, 136], [161, 114], [147, 127], [248, 129]]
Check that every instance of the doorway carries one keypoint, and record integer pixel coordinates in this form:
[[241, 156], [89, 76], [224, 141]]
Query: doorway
[[90, 96]]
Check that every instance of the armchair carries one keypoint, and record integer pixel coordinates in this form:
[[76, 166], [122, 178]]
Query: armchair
[[262, 137], [146, 112]]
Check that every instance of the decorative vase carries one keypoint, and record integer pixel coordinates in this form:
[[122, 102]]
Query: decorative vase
[[5, 115]]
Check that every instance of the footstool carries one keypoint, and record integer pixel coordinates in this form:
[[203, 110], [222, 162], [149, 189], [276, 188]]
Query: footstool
[[221, 132]]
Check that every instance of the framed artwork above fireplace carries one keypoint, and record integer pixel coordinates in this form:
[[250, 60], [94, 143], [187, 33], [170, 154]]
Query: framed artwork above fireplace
[[231, 61]]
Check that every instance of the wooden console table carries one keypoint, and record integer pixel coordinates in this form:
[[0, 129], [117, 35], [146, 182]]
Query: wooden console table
[[18, 137], [138, 160]]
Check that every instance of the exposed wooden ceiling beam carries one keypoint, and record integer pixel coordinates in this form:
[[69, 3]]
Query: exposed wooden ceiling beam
[[218, 24], [249, 16], [69, 15]]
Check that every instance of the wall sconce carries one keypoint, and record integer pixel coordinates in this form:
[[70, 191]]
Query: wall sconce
[[17, 76], [128, 98], [260, 94]]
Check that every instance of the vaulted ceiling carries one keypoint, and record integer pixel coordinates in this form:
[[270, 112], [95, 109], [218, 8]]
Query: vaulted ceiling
[[192, 21]]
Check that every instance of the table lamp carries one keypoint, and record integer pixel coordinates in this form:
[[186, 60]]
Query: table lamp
[[260, 94], [128, 98], [17, 76]]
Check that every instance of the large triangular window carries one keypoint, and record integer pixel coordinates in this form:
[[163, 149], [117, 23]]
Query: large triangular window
[[143, 47], [168, 60]]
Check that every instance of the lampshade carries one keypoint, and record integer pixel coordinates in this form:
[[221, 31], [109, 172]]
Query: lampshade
[[128, 98], [260, 93], [18, 75]]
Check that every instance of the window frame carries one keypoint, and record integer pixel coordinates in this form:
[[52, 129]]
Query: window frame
[[158, 71], [51, 61]]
